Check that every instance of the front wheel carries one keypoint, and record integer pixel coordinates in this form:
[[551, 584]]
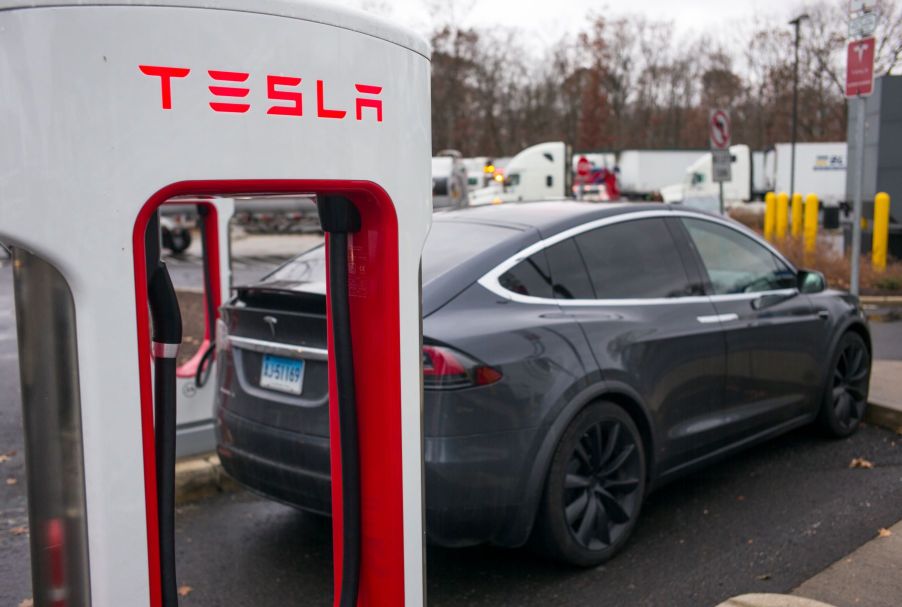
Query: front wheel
[[846, 394], [594, 489]]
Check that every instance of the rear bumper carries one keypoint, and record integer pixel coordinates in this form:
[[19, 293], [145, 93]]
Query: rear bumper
[[473, 483]]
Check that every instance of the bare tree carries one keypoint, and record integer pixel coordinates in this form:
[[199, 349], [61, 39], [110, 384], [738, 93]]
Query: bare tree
[[629, 82]]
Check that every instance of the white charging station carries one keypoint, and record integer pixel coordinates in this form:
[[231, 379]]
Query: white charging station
[[110, 109], [194, 390]]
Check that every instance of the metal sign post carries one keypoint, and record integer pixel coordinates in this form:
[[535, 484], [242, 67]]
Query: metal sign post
[[721, 160], [859, 85]]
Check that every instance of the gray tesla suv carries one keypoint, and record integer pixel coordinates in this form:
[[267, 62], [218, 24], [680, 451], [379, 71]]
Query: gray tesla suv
[[575, 357]]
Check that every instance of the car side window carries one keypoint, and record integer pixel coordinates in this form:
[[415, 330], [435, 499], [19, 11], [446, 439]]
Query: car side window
[[570, 280], [735, 262], [635, 259], [529, 277]]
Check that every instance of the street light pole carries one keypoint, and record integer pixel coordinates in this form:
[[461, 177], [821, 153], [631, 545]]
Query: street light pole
[[795, 104]]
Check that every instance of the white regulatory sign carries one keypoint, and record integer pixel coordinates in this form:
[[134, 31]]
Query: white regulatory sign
[[721, 161], [862, 26]]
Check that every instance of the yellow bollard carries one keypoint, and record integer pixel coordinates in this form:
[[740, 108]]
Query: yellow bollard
[[811, 212], [782, 215], [770, 214], [796, 215], [881, 231]]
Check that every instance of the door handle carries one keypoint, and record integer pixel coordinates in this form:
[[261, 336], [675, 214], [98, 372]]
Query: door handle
[[714, 318], [823, 314]]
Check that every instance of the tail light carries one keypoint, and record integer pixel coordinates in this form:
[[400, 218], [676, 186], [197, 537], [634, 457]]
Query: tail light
[[222, 335], [447, 369]]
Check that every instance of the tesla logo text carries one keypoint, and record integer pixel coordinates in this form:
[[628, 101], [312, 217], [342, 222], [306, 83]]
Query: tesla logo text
[[228, 92]]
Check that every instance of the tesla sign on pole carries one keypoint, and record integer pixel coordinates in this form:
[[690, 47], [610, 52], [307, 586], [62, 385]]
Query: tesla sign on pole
[[720, 134], [860, 67], [859, 85]]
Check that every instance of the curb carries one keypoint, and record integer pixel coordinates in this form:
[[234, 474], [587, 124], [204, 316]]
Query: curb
[[881, 300], [867, 576], [884, 404], [771, 600], [199, 477], [884, 416], [882, 312]]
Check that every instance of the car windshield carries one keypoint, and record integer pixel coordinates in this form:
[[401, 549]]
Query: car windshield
[[449, 244]]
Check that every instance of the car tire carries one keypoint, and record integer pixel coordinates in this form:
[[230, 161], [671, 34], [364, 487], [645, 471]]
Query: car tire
[[594, 488], [846, 390], [180, 240]]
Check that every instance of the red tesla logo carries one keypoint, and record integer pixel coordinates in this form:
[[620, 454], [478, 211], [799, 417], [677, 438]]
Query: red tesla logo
[[228, 91]]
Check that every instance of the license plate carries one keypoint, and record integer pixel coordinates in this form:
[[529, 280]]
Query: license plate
[[282, 374]]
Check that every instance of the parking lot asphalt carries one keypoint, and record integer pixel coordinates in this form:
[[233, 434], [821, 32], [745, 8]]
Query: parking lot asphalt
[[252, 257], [762, 521]]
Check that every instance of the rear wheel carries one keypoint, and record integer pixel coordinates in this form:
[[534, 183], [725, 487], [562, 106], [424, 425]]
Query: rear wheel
[[846, 394], [594, 488], [181, 240]]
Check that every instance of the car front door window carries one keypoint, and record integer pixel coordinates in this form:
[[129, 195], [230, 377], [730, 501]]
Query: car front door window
[[735, 262]]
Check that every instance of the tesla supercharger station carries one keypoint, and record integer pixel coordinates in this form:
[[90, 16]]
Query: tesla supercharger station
[[108, 111], [195, 392]]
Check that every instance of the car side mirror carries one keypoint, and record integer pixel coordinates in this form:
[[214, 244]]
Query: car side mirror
[[811, 281]]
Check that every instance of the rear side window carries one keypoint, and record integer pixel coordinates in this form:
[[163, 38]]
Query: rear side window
[[736, 263], [529, 277], [570, 280], [634, 260], [448, 245]]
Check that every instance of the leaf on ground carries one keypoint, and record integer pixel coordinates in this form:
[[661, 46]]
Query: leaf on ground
[[4, 458], [860, 462], [884, 533], [185, 590], [763, 577], [11, 481], [27, 603], [18, 530]]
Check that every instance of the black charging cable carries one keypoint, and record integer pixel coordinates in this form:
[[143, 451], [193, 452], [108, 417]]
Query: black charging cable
[[202, 375], [167, 335], [339, 217]]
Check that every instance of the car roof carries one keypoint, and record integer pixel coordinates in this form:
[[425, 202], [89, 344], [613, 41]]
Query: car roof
[[549, 217]]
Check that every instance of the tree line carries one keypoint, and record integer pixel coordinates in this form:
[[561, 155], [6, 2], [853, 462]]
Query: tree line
[[631, 82]]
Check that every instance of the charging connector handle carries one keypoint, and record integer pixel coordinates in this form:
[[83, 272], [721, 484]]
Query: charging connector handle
[[167, 335], [338, 217]]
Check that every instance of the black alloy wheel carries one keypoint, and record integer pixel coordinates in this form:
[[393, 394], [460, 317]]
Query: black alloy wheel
[[847, 388], [595, 487]]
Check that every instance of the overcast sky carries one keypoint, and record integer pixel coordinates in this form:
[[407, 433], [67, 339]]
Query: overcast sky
[[548, 20]]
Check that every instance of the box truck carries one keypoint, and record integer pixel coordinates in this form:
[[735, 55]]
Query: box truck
[[820, 169]]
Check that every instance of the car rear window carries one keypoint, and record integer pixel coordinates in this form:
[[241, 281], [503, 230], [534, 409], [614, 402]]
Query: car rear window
[[449, 244]]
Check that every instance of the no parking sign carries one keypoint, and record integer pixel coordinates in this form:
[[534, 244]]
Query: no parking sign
[[720, 135]]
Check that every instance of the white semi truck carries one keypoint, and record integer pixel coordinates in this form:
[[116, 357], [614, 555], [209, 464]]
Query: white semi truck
[[820, 169], [643, 173], [540, 172]]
